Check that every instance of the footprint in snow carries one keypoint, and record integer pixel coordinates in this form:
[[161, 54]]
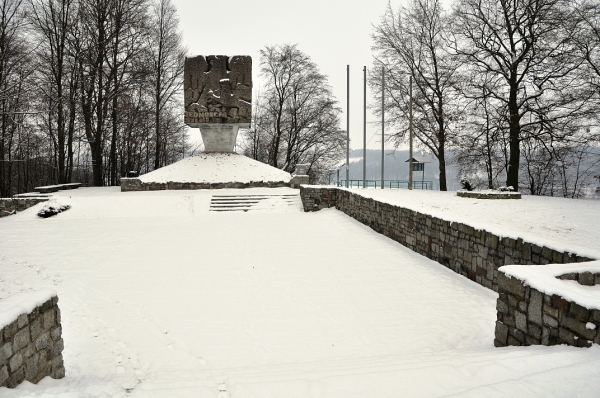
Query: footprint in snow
[[223, 391]]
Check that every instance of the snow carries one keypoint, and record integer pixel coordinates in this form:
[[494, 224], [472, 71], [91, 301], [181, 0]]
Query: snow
[[590, 326], [216, 167], [161, 297], [544, 279], [567, 225], [22, 303]]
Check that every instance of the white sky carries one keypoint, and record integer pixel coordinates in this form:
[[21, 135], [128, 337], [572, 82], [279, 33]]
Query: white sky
[[334, 33]]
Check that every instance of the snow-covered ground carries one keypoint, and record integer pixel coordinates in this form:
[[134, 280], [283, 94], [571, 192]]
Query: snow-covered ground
[[162, 298], [216, 167]]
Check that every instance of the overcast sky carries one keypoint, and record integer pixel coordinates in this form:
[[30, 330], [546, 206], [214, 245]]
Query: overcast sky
[[334, 33]]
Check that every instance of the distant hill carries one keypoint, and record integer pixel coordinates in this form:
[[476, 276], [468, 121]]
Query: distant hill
[[396, 168]]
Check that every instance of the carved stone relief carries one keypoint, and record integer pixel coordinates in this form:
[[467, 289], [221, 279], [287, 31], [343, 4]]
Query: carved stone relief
[[218, 89]]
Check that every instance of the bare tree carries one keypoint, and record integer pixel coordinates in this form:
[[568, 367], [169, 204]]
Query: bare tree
[[54, 23], [413, 41], [299, 117], [528, 48], [88, 112], [95, 24], [128, 34], [166, 56], [256, 138], [280, 65], [15, 70], [482, 143], [564, 170]]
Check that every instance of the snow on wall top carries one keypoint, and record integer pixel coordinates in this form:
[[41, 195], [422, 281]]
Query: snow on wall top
[[565, 225], [217, 168], [22, 303], [543, 278]]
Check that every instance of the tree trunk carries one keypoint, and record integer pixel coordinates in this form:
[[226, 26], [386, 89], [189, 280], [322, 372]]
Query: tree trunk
[[512, 176], [442, 161], [157, 130]]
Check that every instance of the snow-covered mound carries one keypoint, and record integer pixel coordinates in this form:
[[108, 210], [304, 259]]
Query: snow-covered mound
[[216, 168]]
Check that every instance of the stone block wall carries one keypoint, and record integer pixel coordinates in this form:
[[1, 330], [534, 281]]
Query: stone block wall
[[135, 184], [31, 346], [315, 199], [527, 316], [9, 205], [489, 195], [473, 253], [298, 180]]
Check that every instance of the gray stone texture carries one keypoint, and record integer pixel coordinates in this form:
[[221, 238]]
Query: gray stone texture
[[135, 184], [521, 321], [548, 320], [3, 375], [298, 180], [31, 346], [21, 339], [535, 307], [525, 315], [218, 89], [9, 206], [484, 195]]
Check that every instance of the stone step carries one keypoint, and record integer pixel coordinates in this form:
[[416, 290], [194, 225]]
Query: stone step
[[228, 207], [247, 202], [213, 202]]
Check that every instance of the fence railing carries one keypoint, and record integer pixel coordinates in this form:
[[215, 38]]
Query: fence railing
[[387, 184]]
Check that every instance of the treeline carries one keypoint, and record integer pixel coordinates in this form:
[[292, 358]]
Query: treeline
[[295, 116], [511, 87], [88, 90]]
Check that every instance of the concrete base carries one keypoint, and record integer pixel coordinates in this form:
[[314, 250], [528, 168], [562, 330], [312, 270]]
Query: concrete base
[[219, 137], [213, 170]]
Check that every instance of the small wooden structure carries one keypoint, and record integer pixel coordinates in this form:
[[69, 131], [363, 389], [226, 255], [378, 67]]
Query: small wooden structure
[[418, 164]]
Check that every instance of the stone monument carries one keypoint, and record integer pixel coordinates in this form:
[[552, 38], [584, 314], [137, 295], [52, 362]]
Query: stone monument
[[218, 98], [218, 101]]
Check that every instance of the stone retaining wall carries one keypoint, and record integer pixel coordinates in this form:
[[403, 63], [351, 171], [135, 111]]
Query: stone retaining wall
[[9, 205], [476, 254], [298, 180], [315, 199], [31, 346], [489, 195], [135, 184], [527, 316]]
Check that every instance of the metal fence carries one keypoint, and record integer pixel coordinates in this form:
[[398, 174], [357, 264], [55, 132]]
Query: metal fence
[[392, 184]]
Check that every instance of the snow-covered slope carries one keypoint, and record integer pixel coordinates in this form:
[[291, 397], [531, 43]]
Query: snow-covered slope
[[217, 167]]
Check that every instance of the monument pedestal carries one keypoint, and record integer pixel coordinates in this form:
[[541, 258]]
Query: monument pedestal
[[219, 137]]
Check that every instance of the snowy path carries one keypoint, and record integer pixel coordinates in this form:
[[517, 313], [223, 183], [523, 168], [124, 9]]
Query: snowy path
[[160, 297]]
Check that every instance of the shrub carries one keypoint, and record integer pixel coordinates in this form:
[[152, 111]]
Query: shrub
[[52, 210]]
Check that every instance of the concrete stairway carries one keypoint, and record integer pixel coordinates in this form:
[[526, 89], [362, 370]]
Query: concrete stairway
[[255, 202]]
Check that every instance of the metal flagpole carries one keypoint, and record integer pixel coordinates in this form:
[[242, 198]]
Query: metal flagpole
[[410, 140], [347, 124], [382, 124], [365, 128]]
